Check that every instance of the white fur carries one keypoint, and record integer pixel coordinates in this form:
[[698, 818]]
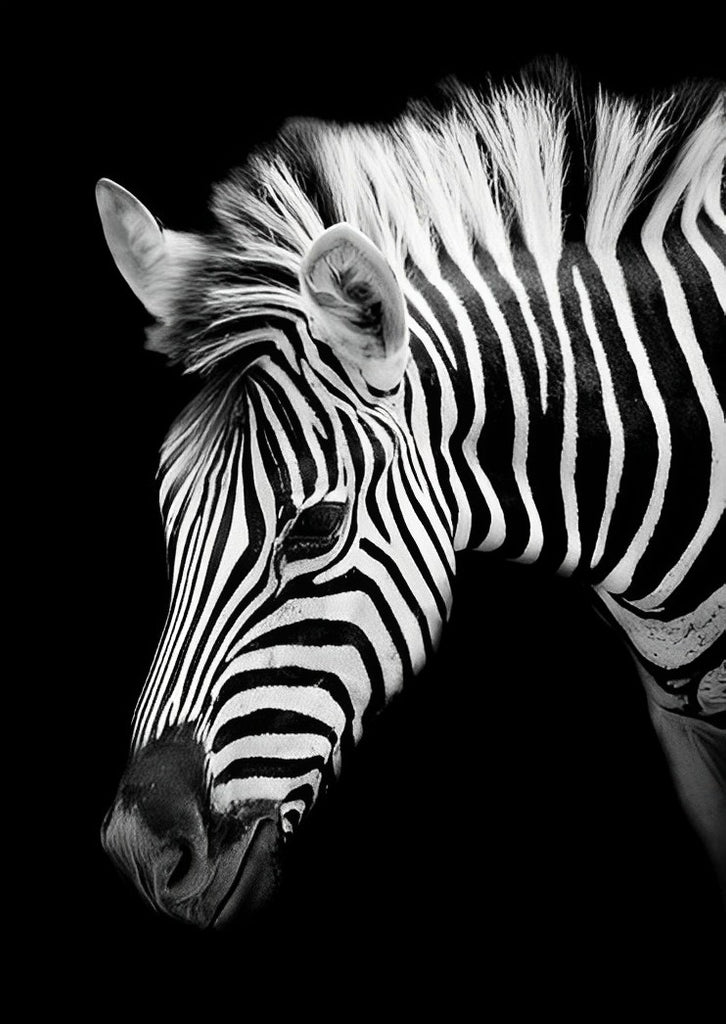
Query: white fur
[[627, 141], [452, 179]]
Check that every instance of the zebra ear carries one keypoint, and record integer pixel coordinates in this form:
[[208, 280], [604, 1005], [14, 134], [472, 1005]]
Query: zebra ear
[[150, 259], [355, 304]]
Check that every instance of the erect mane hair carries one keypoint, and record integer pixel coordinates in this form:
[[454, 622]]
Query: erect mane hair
[[532, 162]]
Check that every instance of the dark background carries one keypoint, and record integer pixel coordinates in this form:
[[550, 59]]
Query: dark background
[[508, 831]]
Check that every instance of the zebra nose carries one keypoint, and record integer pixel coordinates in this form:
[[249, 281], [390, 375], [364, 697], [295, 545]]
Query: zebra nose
[[155, 831], [169, 867]]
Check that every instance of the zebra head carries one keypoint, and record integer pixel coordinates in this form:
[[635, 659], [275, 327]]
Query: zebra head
[[310, 550]]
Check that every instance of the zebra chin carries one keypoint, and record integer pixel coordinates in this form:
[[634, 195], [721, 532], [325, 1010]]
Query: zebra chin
[[195, 865]]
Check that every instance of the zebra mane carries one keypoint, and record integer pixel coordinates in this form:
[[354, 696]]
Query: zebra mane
[[530, 163]]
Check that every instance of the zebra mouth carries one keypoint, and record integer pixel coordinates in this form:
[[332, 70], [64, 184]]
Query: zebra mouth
[[246, 877], [189, 883]]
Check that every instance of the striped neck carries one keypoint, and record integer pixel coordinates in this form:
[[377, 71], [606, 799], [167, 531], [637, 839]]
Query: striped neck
[[574, 408]]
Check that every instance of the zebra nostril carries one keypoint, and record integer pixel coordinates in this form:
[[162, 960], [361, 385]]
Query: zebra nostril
[[184, 870], [156, 830], [169, 868], [181, 869]]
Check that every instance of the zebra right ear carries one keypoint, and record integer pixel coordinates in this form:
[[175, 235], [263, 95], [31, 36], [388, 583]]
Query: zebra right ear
[[354, 303]]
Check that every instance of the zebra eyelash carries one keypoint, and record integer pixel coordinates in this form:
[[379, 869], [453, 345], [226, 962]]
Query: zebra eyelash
[[315, 530]]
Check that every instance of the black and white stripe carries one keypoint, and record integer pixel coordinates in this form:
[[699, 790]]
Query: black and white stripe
[[280, 658], [563, 405]]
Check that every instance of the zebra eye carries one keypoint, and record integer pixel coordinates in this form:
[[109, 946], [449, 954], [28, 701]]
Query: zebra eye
[[315, 530]]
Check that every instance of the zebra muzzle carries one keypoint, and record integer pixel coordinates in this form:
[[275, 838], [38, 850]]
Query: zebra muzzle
[[187, 864]]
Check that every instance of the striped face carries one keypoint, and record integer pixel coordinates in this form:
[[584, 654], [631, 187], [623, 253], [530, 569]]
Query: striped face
[[310, 572]]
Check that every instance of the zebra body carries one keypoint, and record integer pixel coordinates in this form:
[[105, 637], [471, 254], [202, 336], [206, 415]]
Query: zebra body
[[411, 346]]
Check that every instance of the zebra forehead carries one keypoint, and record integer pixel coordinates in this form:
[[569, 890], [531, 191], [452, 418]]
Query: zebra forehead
[[527, 163], [236, 419]]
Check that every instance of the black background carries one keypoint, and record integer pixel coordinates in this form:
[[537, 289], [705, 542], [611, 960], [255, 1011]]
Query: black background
[[508, 831]]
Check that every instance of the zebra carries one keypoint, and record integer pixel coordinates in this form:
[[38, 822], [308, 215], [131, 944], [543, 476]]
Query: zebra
[[495, 324]]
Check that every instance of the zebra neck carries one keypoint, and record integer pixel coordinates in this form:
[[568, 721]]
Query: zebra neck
[[573, 401]]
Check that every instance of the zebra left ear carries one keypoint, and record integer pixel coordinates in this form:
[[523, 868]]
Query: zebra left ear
[[355, 304], [151, 260]]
